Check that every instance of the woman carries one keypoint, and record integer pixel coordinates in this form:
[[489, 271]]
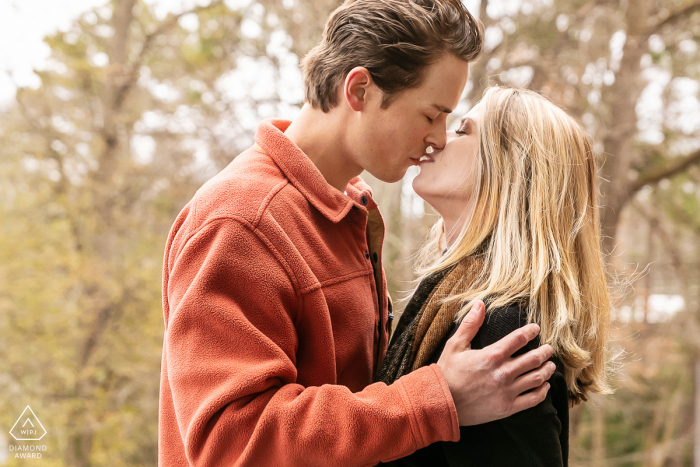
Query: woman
[[516, 191]]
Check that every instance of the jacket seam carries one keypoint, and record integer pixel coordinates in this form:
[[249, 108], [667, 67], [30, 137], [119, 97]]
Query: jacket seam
[[415, 426], [267, 200], [245, 223], [344, 278], [297, 321], [334, 281], [448, 397]]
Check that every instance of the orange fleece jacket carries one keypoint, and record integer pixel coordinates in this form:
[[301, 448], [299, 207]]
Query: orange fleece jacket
[[276, 318]]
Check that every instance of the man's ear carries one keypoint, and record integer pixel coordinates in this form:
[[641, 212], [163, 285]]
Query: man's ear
[[357, 88]]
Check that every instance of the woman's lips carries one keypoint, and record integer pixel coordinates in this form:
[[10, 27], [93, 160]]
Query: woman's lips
[[424, 158]]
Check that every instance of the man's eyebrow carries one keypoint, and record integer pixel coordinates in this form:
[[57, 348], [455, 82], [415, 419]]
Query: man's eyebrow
[[442, 109]]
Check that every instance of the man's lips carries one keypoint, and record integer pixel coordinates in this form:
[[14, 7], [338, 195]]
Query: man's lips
[[423, 159]]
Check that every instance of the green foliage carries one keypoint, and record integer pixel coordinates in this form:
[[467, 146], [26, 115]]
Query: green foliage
[[85, 222]]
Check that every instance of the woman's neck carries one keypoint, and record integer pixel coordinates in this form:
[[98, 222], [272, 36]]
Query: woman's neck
[[452, 224]]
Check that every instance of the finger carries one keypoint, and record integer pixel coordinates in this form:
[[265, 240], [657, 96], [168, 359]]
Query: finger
[[469, 326], [524, 363], [531, 399], [534, 378], [515, 340]]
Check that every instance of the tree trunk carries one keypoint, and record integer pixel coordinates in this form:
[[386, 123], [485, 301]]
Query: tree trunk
[[618, 142], [79, 449], [696, 447], [598, 432], [649, 260]]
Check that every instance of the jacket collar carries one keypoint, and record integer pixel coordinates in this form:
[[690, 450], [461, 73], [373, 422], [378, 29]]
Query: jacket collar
[[305, 176]]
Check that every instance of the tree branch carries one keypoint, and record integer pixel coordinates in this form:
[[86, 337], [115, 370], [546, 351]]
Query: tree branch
[[171, 20], [667, 172], [675, 16], [652, 215], [98, 328], [162, 28]]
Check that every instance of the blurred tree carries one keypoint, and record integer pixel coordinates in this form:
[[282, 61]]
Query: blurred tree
[[597, 58], [137, 107], [130, 118]]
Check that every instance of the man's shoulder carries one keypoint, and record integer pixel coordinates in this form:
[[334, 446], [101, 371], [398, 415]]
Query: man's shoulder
[[242, 191]]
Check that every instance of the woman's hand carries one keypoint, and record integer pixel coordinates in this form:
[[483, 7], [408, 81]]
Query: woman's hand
[[488, 384]]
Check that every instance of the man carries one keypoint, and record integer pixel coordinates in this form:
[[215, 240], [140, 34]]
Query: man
[[274, 296]]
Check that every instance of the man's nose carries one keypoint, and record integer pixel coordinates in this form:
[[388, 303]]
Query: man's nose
[[438, 137]]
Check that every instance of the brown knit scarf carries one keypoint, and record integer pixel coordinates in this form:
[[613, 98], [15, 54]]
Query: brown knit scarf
[[427, 319]]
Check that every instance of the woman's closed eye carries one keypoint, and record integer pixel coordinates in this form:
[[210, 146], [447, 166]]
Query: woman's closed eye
[[464, 127]]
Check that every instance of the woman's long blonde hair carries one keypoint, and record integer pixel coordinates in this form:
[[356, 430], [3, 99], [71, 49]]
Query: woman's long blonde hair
[[535, 219]]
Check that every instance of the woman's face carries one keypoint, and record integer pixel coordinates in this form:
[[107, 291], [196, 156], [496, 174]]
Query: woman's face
[[447, 180]]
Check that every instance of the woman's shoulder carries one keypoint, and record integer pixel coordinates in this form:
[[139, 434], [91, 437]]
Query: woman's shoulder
[[498, 323], [501, 321]]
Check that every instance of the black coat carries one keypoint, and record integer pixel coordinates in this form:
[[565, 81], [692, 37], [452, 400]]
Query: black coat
[[537, 437]]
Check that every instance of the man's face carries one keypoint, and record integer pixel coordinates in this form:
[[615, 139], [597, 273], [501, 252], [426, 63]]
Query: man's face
[[386, 142]]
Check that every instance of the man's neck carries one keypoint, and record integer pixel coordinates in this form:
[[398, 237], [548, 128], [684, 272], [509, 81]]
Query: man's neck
[[322, 138]]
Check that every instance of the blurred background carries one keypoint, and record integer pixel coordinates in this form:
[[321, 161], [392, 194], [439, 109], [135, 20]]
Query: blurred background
[[112, 114]]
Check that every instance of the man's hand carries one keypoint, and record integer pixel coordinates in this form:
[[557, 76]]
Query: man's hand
[[487, 384]]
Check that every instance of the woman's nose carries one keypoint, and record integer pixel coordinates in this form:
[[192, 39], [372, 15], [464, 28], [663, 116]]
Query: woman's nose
[[451, 134]]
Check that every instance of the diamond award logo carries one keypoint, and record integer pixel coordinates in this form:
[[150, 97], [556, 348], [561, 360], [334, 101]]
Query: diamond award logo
[[28, 427]]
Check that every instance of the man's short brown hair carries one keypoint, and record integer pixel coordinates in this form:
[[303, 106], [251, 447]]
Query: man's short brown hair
[[395, 40]]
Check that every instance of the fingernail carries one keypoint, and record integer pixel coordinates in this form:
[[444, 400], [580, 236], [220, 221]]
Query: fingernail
[[546, 386], [552, 366]]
